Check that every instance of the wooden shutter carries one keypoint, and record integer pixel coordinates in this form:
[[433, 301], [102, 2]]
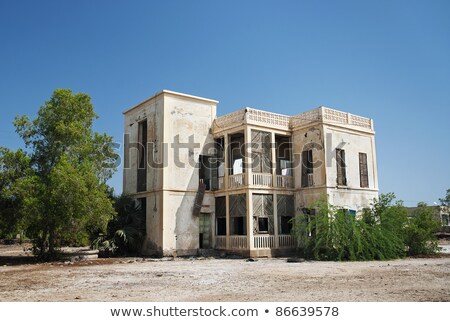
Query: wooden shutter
[[304, 168], [363, 171], [340, 164]]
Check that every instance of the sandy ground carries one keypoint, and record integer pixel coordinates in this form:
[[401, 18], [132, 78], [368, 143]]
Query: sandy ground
[[412, 279]]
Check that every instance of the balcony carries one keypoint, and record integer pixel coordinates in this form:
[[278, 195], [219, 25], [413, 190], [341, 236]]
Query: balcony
[[259, 180], [236, 181], [262, 179]]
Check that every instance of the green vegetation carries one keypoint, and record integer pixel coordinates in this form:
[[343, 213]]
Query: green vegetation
[[420, 237], [383, 231], [56, 192], [126, 230]]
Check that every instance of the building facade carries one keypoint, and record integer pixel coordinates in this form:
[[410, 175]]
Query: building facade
[[234, 182]]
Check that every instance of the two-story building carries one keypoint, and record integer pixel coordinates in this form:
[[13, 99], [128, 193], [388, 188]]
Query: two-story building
[[234, 182]]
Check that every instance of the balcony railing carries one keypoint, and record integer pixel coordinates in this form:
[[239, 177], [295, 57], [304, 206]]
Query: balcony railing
[[286, 241], [236, 180], [221, 242], [239, 242], [264, 241], [221, 183], [262, 179], [285, 181], [258, 180]]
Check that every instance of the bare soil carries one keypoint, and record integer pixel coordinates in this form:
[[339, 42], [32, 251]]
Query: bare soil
[[208, 279]]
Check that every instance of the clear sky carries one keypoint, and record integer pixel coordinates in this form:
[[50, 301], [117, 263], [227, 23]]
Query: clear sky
[[387, 60]]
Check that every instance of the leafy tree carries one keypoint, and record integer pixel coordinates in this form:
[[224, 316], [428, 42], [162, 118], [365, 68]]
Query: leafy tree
[[446, 200], [62, 191], [335, 234], [14, 168], [420, 237]]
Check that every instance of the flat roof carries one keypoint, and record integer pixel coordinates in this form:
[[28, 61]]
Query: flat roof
[[165, 91]]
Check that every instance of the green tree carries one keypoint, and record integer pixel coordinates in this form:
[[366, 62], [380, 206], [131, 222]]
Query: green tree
[[63, 196], [420, 232], [14, 168], [335, 234], [446, 200]]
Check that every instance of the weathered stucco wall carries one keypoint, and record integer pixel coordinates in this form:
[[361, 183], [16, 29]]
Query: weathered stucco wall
[[152, 111], [187, 134]]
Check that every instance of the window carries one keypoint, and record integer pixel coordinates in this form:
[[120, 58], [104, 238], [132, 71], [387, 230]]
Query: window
[[263, 224], [285, 167], [363, 173], [283, 155], [263, 214], [221, 222], [142, 156], [340, 163], [205, 170], [307, 168], [236, 154], [143, 205], [285, 225], [221, 226], [238, 226], [238, 214], [285, 211], [445, 219], [261, 152]]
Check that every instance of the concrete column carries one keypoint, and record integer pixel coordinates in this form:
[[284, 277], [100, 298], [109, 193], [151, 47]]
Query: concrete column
[[249, 200], [248, 156], [273, 151], [374, 165], [227, 162], [275, 219], [227, 221]]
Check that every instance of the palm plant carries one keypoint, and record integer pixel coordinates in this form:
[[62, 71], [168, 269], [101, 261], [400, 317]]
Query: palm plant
[[125, 231]]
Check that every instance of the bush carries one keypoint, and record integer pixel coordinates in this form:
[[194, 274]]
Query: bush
[[125, 232], [420, 237], [335, 234]]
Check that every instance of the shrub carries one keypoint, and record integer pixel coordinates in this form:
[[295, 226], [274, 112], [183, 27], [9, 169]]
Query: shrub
[[125, 231], [335, 234], [420, 238]]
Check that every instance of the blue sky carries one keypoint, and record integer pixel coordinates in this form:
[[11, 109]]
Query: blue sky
[[387, 60]]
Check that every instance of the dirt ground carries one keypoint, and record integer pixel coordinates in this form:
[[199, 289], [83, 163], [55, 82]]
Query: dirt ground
[[208, 279]]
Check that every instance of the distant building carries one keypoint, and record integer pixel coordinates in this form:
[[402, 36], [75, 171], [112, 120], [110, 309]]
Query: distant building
[[234, 182]]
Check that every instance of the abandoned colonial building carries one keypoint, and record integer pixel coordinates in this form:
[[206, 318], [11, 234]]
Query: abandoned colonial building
[[233, 182]]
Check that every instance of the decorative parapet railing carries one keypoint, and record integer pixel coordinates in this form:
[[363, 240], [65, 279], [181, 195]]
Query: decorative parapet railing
[[221, 242], [264, 241], [283, 122], [326, 114], [252, 116], [239, 242], [286, 241], [229, 120]]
